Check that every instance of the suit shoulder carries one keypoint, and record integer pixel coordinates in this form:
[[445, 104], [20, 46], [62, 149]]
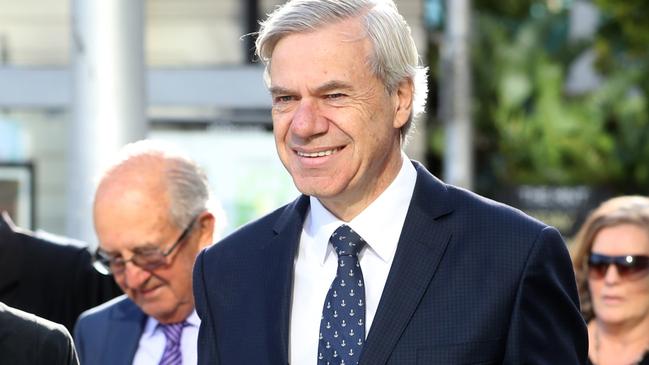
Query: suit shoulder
[[466, 208], [490, 215], [251, 235], [29, 328], [498, 234], [105, 311], [43, 246]]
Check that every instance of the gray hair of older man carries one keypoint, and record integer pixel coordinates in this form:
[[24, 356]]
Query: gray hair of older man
[[189, 192], [394, 59]]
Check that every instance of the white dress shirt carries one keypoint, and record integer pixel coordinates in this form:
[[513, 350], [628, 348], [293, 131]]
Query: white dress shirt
[[152, 342], [380, 225]]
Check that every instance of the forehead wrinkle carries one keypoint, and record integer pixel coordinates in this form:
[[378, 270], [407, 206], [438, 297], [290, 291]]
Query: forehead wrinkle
[[332, 85], [349, 36]]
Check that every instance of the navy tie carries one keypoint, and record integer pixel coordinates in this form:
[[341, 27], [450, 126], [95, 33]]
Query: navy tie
[[342, 327]]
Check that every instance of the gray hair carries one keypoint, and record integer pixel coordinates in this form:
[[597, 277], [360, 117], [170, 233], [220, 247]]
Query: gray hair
[[187, 184], [394, 59]]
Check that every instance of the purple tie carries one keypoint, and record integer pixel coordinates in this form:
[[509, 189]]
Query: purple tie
[[172, 355]]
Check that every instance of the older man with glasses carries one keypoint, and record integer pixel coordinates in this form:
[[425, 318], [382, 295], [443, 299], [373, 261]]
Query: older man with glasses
[[151, 217]]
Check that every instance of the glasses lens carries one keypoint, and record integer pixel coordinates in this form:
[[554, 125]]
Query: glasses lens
[[149, 260], [633, 266], [597, 270], [101, 268], [101, 263], [628, 267]]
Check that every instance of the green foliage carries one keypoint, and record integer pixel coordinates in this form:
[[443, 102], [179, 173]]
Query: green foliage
[[528, 130], [541, 135], [513, 9], [622, 47], [625, 27], [625, 109]]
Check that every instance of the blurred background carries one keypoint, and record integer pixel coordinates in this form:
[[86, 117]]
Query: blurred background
[[542, 104]]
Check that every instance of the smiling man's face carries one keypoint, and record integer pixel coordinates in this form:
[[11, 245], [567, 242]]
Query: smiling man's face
[[336, 127]]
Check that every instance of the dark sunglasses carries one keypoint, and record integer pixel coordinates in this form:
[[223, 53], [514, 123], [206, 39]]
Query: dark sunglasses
[[628, 267], [148, 258]]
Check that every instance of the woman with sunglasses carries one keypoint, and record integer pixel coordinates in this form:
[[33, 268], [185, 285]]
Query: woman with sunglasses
[[611, 258]]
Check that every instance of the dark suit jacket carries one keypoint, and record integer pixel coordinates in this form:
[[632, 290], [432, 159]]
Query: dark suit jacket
[[26, 339], [472, 282], [54, 281], [110, 333]]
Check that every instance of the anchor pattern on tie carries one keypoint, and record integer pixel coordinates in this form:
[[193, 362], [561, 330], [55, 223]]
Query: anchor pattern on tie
[[342, 326]]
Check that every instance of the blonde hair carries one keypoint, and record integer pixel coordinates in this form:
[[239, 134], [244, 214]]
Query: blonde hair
[[631, 209]]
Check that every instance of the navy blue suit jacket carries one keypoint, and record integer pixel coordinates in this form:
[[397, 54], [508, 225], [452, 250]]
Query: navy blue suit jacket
[[473, 282], [109, 334]]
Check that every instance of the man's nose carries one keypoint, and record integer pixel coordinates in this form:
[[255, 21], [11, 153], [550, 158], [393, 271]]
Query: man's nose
[[135, 276], [307, 120]]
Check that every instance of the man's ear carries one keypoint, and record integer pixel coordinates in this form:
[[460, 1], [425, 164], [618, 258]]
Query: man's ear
[[206, 223], [403, 96]]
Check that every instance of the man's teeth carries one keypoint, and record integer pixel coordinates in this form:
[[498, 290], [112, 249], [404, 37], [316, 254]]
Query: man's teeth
[[317, 154]]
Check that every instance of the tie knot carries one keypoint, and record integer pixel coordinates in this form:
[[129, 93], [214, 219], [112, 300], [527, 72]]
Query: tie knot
[[346, 242], [173, 331]]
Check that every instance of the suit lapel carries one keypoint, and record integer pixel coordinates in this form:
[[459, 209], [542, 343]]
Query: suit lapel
[[280, 251], [421, 246], [123, 335]]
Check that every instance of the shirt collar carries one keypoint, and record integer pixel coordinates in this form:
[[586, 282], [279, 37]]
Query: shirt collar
[[388, 210], [152, 324]]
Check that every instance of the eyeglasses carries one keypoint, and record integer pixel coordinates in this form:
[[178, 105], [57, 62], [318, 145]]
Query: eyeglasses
[[628, 267], [148, 258]]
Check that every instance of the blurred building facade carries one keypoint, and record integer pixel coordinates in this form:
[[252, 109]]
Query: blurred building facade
[[200, 84]]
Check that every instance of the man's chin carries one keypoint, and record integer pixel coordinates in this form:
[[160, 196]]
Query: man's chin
[[159, 312], [318, 187], [169, 315]]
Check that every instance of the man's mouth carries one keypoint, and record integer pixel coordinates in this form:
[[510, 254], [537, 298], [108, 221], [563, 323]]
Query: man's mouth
[[319, 153], [148, 290]]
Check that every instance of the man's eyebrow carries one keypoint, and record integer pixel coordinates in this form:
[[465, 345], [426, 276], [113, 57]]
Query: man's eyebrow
[[279, 90], [144, 246]]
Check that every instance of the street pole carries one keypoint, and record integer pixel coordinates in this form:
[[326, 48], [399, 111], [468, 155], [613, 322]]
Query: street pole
[[109, 98], [455, 95]]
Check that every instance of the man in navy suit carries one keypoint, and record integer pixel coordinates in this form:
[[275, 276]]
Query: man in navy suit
[[427, 273], [151, 217]]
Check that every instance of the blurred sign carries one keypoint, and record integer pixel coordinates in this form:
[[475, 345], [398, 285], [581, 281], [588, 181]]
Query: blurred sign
[[564, 207]]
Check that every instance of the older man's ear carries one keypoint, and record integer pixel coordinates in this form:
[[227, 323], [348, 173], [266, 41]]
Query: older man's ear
[[206, 223]]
